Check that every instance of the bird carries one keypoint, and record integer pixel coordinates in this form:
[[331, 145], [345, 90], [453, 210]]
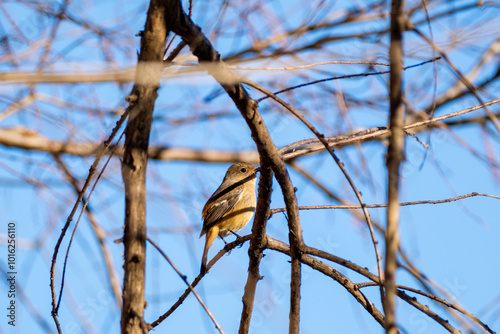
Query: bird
[[230, 207]]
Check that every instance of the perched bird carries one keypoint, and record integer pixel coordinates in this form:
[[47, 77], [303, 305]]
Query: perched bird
[[230, 207]]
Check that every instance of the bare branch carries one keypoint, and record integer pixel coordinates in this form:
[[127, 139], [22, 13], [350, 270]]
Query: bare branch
[[92, 170], [424, 309], [202, 48], [394, 159], [340, 164], [466, 82], [257, 244], [99, 233], [134, 164], [337, 276], [230, 246], [183, 277], [370, 206], [349, 76], [28, 140]]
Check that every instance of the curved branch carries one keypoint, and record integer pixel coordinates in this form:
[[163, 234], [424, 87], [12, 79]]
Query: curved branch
[[92, 170], [340, 164], [201, 47], [337, 276]]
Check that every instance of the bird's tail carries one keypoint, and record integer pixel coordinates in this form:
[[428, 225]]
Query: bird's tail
[[210, 238]]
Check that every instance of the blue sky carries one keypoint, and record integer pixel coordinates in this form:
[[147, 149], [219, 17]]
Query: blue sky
[[453, 244]]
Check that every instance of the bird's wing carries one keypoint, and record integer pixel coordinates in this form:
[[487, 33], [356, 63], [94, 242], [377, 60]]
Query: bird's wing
[[214, 210]]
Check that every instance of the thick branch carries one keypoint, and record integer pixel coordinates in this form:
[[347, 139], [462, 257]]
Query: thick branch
[[394, 158], [257, 244], [134, 163]]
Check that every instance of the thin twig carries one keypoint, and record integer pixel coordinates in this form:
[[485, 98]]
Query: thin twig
[[230, 246], [308, 146], [457, 72], [428, 285], [183, 277], [113, 280], [348, 76], [289, 68], [371, 206], [92, 170], [85, 204]]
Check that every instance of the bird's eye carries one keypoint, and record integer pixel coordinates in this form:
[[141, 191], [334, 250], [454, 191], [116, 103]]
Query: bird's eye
[[243, 170]]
